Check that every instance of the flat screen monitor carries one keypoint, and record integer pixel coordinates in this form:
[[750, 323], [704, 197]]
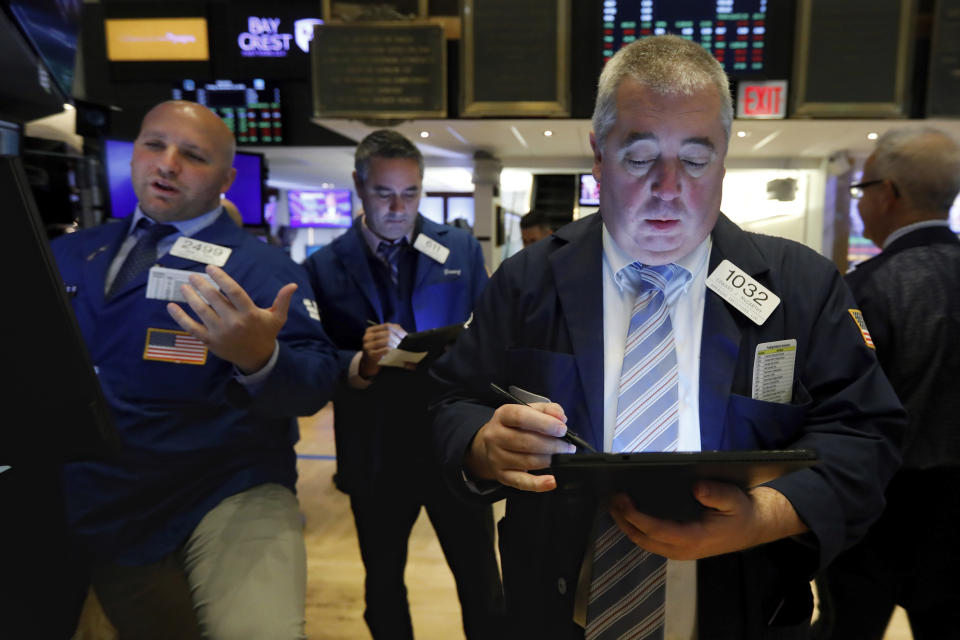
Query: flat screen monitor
[[734, 31], [157, 39], [246, 191], [320, 208], [52, 27], [55, 382], [29, 91], [589, 191], [251, 108]]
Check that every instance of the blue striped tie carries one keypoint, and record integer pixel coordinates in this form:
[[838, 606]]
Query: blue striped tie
[[628, 586]]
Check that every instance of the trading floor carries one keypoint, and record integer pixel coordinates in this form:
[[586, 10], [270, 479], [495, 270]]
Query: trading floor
[[334, 569]]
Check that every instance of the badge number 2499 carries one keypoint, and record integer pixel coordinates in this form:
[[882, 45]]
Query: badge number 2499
[[200, 251], [743, 292]]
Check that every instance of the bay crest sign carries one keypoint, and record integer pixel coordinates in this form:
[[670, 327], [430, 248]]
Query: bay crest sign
[[264, 39]]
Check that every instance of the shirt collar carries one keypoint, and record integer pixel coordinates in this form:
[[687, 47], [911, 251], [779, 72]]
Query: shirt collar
[[902, 231], [373, 240], [186, 227], [693, 262]]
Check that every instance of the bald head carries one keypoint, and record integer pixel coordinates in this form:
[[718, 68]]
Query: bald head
[[220, 135], [182, 161]]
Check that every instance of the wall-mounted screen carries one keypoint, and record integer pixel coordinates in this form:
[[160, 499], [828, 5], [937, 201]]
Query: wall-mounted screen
[[589, 191], [320, 208], [52, 28], [734, 31], [246, 191], [250, 108], [156, 39]]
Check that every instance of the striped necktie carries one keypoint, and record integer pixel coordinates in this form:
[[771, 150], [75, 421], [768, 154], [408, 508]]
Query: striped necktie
[[142, 256], [628, 586], [389, 253]]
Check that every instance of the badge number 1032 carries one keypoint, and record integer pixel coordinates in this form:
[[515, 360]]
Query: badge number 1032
[[743, 292]]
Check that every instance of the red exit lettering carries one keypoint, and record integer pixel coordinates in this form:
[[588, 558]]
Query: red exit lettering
[[763, 101]]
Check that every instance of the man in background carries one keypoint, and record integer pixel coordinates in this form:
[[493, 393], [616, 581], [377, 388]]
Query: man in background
[[392, 273], [624, 321], [534, 226], [194, 530], [910, 298]]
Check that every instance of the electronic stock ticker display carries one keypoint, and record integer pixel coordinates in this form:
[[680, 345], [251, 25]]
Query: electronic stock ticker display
[[251, 109], [734, 31]]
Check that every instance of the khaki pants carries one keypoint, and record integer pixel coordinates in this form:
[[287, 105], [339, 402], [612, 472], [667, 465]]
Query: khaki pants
[[241, 574]]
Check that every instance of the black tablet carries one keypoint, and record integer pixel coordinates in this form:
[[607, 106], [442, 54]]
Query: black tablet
[[433, 341], [661, 483]]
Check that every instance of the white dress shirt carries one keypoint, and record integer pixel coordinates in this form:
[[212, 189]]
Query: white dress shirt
[[902, 231], [685, 304]]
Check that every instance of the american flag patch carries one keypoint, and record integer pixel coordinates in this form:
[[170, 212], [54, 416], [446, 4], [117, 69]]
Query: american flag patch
[[858, 318], [174, 346]]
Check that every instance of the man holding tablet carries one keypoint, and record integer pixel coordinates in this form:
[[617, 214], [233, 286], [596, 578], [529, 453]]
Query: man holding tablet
[[659, 325]]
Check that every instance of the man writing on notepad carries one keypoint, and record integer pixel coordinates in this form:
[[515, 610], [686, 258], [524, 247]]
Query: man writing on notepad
[[395, 272], [651, 327]]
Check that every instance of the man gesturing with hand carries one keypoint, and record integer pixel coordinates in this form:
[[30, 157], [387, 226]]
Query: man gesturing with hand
[[194, 529]]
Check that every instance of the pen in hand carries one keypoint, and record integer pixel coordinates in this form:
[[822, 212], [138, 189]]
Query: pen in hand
[[569, 436]]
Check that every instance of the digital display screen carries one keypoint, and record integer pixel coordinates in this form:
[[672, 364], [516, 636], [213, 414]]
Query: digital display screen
[[246, 191], [320, 208], [156, 39], [52, 28], [734, 31], [250, 109], [589, 190]]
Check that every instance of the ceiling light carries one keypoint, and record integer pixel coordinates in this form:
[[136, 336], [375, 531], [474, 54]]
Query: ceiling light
[[873, 135], [548, 133], [424, 134], [68, 107], [741, 134]]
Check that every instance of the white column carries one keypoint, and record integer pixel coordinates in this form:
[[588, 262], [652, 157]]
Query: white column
[[486, 198]]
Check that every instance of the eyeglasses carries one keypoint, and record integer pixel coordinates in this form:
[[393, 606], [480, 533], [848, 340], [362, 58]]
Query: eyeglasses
[[856, 190]]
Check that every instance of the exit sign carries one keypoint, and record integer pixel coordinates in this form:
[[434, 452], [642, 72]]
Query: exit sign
[[762, 99]]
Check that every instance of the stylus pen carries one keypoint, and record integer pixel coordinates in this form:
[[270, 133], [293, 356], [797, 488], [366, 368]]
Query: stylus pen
[[569, 436]]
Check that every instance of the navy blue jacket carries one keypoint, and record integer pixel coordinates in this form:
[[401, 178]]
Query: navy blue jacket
[[191, 435], [370, 431], [910, 298], [539, 326]]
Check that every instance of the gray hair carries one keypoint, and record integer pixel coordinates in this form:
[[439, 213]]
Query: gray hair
[[924, 164], [384, 143], [669, 65]]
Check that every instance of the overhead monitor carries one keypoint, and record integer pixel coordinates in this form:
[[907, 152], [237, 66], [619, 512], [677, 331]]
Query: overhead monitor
[[320, 208], [734, 31], [246, 191], [157, 39], [251, 108], [51, 26], [30, 92]]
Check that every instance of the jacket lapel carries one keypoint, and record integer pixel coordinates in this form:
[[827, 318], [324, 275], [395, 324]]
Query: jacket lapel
[[720, 339], [351, 250], [425, 263], [98, 252], [223, 231], [577, 269]]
